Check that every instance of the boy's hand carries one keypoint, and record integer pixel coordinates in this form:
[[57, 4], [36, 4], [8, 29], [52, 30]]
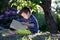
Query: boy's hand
[[29, 25], [26, 28]]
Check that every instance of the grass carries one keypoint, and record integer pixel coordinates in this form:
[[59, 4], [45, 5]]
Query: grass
[[23, 32]]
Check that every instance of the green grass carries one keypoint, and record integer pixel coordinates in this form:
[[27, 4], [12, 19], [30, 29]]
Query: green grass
[[23, 32]]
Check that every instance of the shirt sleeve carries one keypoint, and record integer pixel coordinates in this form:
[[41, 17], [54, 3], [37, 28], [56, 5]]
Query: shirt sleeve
[[33, 20]]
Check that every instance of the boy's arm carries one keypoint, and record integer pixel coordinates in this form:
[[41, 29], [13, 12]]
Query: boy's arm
[[28, 24]]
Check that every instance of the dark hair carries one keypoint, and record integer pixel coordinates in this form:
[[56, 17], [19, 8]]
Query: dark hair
[[25, 9]]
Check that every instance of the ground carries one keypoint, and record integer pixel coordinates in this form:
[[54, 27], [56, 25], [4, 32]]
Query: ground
[[38, 36]]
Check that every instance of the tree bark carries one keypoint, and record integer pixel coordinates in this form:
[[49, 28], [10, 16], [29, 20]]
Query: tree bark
[[46, 5]]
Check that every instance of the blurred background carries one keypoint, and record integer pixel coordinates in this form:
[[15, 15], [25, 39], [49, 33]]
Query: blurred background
[[10, 8]]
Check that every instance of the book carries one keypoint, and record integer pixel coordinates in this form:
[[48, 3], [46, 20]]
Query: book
[[17, 25]]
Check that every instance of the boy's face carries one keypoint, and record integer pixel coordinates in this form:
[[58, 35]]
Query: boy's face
[[25, 15]]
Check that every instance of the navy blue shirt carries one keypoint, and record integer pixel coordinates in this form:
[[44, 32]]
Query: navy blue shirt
[[31, 20]]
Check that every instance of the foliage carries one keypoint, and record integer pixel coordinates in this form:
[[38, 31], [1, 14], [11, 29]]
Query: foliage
[[56, 13], [41, 21], [23, 32], [22, 3], [36, 1], [3, 5]]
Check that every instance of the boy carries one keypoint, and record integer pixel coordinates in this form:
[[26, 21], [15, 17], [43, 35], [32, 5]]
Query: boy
[[29, 20]]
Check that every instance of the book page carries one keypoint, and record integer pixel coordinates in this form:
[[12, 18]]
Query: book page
[[17, 25]]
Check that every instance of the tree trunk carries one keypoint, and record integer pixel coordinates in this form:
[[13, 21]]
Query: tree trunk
[[49, 19]]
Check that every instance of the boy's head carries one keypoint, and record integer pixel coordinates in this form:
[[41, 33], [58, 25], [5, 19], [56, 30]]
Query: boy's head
[[25, 12]]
